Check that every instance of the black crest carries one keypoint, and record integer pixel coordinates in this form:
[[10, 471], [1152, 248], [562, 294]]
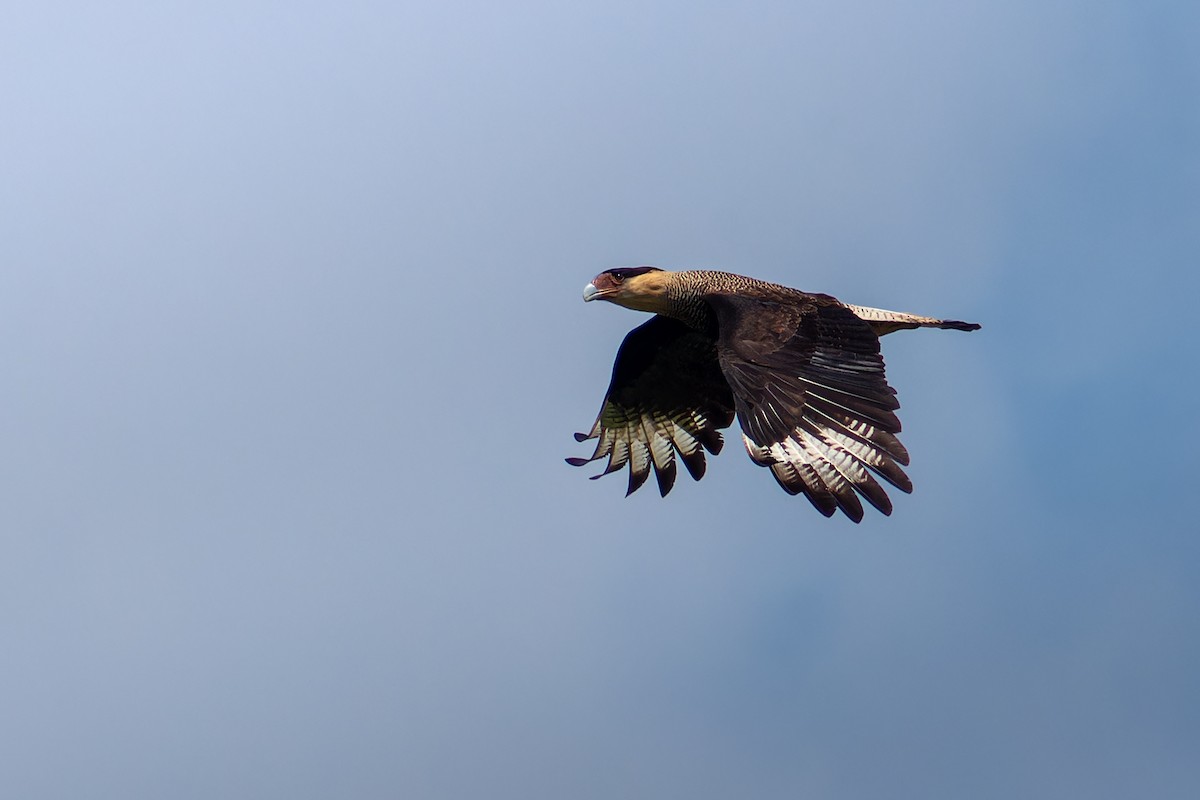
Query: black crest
[[621, 273]]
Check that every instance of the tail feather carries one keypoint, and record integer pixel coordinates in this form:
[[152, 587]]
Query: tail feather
[[884, 321]]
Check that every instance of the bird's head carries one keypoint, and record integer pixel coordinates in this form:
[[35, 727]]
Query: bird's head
[[639, 288]]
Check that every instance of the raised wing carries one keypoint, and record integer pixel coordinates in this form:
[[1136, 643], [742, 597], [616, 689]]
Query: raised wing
[[667, 396], [811, 396]]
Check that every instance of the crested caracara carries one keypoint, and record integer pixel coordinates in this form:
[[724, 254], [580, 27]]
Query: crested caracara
[[801, 371]]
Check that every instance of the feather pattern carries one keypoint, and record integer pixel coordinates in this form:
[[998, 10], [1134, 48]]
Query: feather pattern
[[667, 397], [813, 402]]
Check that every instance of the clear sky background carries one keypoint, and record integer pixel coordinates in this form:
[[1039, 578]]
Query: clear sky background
[[293, 348]]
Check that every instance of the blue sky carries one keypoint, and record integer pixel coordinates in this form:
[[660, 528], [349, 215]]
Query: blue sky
[[294, 348]]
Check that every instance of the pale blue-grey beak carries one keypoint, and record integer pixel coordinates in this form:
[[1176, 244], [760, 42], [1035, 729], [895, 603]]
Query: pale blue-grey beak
[[589, 292]]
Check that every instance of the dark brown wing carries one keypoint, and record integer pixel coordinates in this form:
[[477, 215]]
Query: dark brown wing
[[811, 396], [667, 395]]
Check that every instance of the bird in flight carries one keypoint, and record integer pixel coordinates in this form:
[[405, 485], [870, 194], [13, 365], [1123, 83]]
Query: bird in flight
[[802, 372]]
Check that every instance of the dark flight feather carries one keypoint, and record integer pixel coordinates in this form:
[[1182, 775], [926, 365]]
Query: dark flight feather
[[667, 396]]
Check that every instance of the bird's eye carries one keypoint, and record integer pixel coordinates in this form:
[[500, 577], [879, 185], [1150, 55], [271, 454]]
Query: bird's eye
[[617, 277]]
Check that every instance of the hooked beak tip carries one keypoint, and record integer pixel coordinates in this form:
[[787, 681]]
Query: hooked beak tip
[[590, 292]]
